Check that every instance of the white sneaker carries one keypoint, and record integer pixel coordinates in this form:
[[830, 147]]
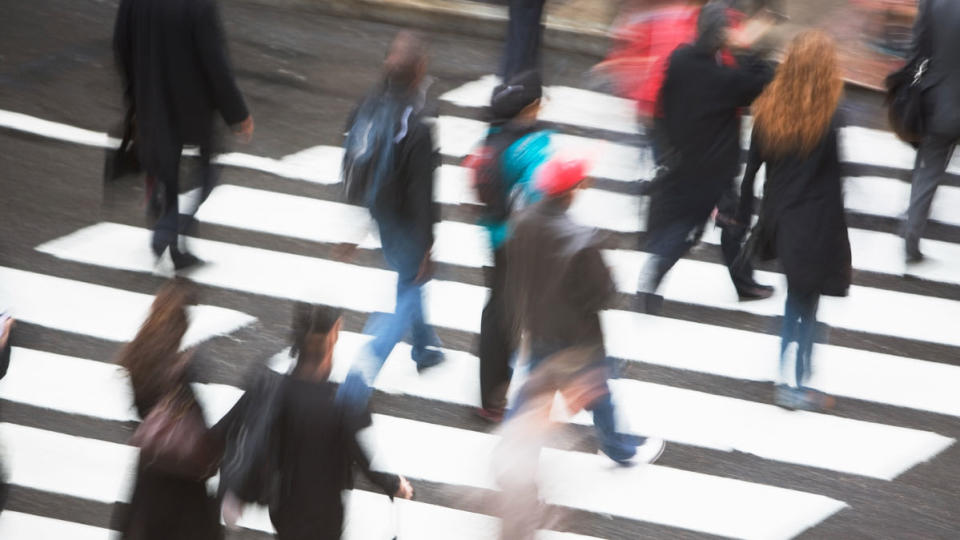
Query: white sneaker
[[650, 451]]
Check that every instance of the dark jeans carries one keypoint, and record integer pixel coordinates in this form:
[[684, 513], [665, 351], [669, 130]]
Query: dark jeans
[[799, 325], [617, 446], [496, 343], [171, 223], [670, 243], [928, 172], [524, 35]]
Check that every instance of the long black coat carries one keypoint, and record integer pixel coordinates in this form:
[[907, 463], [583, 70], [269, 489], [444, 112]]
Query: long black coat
[[701, 100], [173, 61], [802, 219], [937, 24]]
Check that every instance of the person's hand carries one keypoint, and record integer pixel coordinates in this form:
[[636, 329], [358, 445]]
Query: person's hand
[[5, 331], [232, 509], [244, 130], [404, 490], [426, 269], [745, 36]]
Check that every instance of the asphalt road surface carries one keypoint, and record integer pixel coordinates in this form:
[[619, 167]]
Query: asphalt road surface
[[882, 464]]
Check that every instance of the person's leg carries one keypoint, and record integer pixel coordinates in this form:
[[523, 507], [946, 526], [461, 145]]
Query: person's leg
[[166, 178], [666, 247], [931, 164], [522, 46], [788, 334], [425, 341], [495, 343], [806, 333]]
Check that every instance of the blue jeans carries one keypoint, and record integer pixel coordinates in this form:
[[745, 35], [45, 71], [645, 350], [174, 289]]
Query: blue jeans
[[403, 256], [799, 325], [618, 446]]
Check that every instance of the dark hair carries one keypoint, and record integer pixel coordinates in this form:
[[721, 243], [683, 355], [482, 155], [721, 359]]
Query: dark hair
[[405, 59], [309, 319], [151, 356]]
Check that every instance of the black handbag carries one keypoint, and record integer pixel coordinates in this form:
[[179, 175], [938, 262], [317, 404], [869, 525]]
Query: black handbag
[[905, 88], [125, 160]]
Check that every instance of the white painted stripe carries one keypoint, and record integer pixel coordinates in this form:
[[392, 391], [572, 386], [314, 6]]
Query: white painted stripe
[[20, 526], [866, 309], [576, 107], [458, 305], [841, 371], [845, 372], [98, 311], [459, 136], [404, 519], [888, 197], [562, 104], [97, 389], [102, 471], [652, 493], [272, 273]]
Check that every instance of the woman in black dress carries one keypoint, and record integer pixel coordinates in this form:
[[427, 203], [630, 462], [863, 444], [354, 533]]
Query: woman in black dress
[[802, 219], [165, 506]]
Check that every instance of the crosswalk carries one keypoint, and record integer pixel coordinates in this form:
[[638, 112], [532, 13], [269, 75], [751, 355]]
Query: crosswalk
[[46, 458]]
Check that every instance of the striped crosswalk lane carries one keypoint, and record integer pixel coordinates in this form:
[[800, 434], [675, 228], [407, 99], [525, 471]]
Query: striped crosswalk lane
[[455, 455]]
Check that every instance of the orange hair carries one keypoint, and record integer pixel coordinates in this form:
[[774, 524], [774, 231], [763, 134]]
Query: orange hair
[[795, 110]]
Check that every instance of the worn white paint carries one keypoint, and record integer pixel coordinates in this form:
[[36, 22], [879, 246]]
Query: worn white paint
[[20, 526], [99, 311]]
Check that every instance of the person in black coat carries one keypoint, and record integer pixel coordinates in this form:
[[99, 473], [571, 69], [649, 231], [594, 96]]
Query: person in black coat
[[802, 219], [165, 505], [314, 445], [700, 131], [935, 29], [172, 59]]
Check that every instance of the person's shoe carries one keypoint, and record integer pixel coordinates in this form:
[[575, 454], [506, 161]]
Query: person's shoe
[[802, 399], [649, 303], [787, 397], [650, 451], [755, 292], [492, 415], [914, 256], [428, 359], [184, 259]]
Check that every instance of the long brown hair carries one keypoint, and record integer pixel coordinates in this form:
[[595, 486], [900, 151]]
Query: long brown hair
[[151, 358], [796, 109]]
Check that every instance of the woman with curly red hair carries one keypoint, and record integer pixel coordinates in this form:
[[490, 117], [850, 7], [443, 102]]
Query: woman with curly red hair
[[802, 219]]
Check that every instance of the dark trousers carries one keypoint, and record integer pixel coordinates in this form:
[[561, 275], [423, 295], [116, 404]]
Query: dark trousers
[[673, 241], [166, 180], [799, 326], [524, 35], [496, 343], [928, 172]]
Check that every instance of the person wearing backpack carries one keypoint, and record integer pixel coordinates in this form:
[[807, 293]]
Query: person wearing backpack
[[388, 166], [312, 443], [503, 170]]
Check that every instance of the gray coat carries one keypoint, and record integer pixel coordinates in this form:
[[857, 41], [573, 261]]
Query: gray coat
[[939, 22]]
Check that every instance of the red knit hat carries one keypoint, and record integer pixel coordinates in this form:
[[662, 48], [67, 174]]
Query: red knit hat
[[560, 175]]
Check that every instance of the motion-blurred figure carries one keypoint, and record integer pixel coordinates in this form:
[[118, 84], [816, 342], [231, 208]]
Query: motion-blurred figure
[[558, 284], [700, 138], [521, 51], [515, 147], [173, 62], [934, 31], [802, 217], [313, 442], [400, 199], [166, 504]]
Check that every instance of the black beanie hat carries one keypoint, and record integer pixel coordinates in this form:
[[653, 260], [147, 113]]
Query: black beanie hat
[[517, 94]]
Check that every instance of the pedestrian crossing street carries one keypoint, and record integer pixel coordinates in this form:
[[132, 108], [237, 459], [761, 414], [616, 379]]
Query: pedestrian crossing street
[[677, 498]]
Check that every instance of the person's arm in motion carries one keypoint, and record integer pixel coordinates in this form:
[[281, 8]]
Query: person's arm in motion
[[212, 48], [421, 164], [122, 49]]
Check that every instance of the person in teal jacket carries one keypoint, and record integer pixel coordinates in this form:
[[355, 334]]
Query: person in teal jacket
[[513, 110]]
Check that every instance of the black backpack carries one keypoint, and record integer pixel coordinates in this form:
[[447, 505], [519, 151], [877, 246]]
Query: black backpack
[[369, 149], [486, 166]]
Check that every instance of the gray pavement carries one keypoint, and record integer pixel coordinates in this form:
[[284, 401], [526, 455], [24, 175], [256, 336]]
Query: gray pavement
[[301, 71]]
